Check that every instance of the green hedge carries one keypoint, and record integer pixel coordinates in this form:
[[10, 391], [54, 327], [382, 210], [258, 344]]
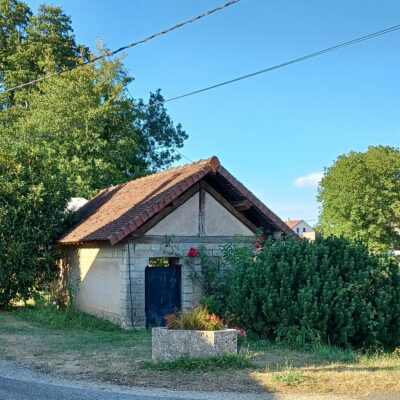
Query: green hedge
[[332, 291]]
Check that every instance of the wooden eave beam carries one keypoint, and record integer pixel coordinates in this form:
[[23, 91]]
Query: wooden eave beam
[[242, 205]]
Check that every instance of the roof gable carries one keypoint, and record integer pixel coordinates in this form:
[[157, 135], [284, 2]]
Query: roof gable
[[292, 223], [116, 212], [180, 221]]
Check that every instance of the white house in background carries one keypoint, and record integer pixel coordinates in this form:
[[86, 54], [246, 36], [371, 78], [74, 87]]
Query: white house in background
[[76, 203], [301, 227]]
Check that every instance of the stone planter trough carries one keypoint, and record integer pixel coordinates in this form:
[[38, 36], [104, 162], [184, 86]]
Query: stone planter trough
[[170, 344]]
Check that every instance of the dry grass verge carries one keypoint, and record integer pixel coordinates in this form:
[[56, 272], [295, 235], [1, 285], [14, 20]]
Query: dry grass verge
[[93, 349]]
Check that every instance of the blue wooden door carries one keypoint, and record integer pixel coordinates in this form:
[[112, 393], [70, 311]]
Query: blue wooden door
[[163, 293]]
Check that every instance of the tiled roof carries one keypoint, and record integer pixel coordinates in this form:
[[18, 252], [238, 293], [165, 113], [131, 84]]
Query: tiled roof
[[118, 211], [292, 223]]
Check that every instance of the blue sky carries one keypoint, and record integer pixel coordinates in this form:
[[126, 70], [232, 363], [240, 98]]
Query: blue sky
[[275, 128]]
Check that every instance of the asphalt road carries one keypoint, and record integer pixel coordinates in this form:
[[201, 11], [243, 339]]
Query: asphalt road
[[12, 389], [20, 383]]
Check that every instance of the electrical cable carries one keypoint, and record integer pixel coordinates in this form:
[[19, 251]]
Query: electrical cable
[[112, 53], [293, 61], [287, 63]]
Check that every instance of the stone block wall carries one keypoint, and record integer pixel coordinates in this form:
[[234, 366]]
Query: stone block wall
[[109, 281], [137, 255]]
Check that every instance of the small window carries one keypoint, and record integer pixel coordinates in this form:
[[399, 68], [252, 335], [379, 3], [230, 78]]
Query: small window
[[163, 261], [297, 230], [304, 229]]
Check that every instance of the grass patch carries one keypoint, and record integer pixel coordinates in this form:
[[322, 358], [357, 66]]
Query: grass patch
[[68, 318], [74, 345], [290, 377], [204, 364], [335, 354], [319, 353]]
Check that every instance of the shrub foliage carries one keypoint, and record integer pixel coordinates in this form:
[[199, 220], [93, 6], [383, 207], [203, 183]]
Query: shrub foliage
[[332, 291], [33, 198]]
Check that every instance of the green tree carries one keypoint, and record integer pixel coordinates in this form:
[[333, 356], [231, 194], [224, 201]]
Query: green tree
[[360, 197], [70, 135], [33, 198], [14, 17], [102, 135], [28, 41]]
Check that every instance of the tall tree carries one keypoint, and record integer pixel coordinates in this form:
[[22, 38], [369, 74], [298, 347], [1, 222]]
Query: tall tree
[[14, 18], [102, 135], [360, 197], [33, 198], [28, 42], [70, 135]]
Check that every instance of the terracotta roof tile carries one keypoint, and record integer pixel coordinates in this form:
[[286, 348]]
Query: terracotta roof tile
[[116, 212], [292, 223]]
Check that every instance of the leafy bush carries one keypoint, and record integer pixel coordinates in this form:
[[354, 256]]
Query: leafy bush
[[197, 318], [33, 198], [331, 291]]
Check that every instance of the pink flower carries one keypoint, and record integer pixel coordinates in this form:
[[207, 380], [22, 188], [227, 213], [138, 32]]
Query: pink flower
[[240, 331], [192, 252]]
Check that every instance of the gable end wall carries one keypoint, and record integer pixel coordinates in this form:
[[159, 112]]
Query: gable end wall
[[186, 220]]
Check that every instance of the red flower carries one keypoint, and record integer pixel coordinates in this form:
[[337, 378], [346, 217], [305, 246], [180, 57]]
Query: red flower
[[193, 252], [258, 246], [261, 239]]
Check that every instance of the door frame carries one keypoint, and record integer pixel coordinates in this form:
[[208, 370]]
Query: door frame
[[147, 291]]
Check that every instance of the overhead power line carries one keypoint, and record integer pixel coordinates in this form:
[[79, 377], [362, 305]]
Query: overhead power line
[[112, 53], [287, 63], [182, 155]]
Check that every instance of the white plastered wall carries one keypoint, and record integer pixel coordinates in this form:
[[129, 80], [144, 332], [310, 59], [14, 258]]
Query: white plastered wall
[[95, 277], [303, 227], [184, 221], [220, 222]]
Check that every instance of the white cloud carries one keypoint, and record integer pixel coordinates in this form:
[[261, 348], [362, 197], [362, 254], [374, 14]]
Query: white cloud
[[310, 180]]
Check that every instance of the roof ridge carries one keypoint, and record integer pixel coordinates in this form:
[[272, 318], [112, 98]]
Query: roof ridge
[[212, 161], [151, 209]]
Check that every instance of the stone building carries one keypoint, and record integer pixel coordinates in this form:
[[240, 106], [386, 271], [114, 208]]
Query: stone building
[[116, 256]]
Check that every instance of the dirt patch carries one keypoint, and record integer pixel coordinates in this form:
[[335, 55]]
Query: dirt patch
[[111, 357], [118, 357]]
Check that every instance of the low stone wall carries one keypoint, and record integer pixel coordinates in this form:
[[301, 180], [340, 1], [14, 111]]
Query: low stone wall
[[170, 344]]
